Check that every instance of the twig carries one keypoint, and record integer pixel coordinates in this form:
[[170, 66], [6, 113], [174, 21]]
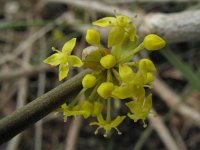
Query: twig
[[174, 101], [30, 40], [16, 73], [163, 132], [149, 1], [143, 138], [21, 101], [41, 90], [40, 107], [92, 5], [4, 97], [73, 134], [179, 139]]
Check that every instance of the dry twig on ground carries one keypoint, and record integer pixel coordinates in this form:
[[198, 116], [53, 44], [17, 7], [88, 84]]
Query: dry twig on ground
[[174, 101]]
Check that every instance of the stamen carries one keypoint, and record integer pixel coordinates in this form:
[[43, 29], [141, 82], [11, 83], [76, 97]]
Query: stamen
[[96, 131], [144, 124], [55, 50], [148, 86], [118, 132]]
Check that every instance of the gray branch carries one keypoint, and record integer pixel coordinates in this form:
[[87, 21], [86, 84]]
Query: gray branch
[[173, 27], [38, 108]]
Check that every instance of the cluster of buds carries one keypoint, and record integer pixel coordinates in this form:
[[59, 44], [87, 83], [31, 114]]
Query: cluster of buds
[[114, 75]]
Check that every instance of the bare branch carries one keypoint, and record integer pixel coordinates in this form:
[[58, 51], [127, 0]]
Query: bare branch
[[16, 73], [38, 108], [174, 27], [174, 102], [163, 132]]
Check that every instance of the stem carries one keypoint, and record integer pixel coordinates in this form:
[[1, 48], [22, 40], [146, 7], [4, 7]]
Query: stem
[[109, 76], [39, 108], [117, 76], [131, 63], [75, 100], [92, 95], [129, 55], [108, 116]]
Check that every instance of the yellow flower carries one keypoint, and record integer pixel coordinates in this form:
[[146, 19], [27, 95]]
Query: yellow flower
[[64, 59], [107, 126], [121, 27], [140, 108], [153, 42], [68, 111], [132, 84], [84, 108]]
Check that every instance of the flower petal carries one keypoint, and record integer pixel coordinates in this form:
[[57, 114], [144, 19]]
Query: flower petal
[[75, 61], [104, 22], [146, 65], [132, 33], [134, 106], [63, 71], [148, 104], [117, 121], [126, 73], [54, 59], [122, 92], [69, 46], [93, 37], [135, 117], [115, 36]]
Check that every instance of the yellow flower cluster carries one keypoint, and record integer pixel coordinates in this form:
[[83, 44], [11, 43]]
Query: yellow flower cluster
[[114, 75]]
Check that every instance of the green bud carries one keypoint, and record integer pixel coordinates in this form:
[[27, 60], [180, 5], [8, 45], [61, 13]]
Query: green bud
[[153, 42], [89, 81], [105, 89], [108, 61]]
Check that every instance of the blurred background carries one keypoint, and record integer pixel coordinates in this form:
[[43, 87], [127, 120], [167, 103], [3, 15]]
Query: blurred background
[[28, 30]]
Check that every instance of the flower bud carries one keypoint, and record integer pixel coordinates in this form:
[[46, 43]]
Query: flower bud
[[147, 65], [89, 81], [153, 42], [105, 89], [108, 61]]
